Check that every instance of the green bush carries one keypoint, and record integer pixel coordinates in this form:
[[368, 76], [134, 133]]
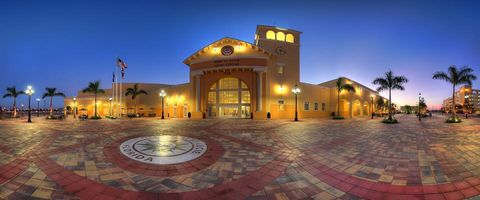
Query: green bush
[[338, 117], [96, 117], [453, 119], [389, 121]]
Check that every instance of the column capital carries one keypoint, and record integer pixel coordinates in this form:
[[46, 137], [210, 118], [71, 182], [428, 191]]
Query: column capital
[[196, 73], [260, 70]]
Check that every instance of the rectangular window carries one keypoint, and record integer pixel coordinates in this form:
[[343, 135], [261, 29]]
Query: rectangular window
[[212, 97], [323, 107], [307, 105], [280, 68], [228, 97], [315, 106], [245, 96], [281, 105]]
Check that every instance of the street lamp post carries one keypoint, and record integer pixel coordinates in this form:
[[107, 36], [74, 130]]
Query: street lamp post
[[163, 94], [38, 107], [371, 96], [419, 98], [110, 109], [74, 107], [296, 90], [29, 92]]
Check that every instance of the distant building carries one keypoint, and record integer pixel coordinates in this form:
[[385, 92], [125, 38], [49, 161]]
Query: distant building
[[236, 79], [466, 99]]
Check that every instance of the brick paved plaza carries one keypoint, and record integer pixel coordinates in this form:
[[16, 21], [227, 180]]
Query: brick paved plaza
[[245, 159]]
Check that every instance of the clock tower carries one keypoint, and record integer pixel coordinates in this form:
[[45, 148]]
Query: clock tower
[[283, 71], [285, 44]]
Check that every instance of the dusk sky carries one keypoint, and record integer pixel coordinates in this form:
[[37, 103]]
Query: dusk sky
[[66, 44]]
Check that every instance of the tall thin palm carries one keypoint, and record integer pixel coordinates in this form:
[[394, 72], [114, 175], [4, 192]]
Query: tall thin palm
[[340, 87], [52, 92], [94, 87], [390, 82], [12, 92], [456, 77], [135, 92]]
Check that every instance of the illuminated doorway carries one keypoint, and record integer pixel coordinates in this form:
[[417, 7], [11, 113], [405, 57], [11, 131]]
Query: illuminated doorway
[[229, 98]]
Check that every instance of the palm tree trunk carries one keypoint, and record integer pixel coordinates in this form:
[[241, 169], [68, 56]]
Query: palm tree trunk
[[95, 109], [338, 102], [453, 101], [51, 106], [14, 107], [389, 104], [135, 107]]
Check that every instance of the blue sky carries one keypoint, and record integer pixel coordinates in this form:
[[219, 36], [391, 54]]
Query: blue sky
[[66, 44]]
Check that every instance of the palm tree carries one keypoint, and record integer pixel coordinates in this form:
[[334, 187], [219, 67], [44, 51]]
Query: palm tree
[[51, 92], [12, 92], [456, 77], [390, 82], [94, 87], [135, 92], [342, 86]]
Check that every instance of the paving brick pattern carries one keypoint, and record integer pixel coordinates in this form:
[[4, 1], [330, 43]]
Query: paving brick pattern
[[245, 159]]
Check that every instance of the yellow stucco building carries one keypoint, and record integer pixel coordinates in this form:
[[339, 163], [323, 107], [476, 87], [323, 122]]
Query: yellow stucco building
[[234, 78]]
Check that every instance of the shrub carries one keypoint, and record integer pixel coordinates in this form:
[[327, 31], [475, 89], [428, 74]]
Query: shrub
[[389, 121], [453, 119], [338, 117], [96, 117]]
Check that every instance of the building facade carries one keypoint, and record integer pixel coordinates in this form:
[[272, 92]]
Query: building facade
[[231, 78], [467, 100]]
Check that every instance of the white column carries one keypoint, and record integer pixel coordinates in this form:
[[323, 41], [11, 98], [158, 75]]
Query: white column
[[197, 91], [259, 91]]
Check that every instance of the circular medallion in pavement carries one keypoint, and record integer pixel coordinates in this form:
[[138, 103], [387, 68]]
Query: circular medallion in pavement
[[163, 149]]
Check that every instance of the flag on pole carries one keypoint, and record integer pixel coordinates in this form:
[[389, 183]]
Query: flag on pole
[[122, 66]]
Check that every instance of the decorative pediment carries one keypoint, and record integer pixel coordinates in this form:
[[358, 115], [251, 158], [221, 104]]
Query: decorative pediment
[[228, 48]]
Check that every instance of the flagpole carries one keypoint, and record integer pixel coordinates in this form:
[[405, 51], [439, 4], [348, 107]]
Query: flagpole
[[120, 93], [116, 83], [114, 95], [116, 91]]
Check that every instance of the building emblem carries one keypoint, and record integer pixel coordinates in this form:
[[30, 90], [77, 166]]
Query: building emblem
[[227, 50], [163, 149], [280, 50]]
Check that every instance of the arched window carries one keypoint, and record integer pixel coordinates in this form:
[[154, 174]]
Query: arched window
[[270, 35], [290, 38], [281, 36]]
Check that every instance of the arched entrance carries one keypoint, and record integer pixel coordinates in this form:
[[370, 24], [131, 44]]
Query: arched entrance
[[357, 108], [230, 98]]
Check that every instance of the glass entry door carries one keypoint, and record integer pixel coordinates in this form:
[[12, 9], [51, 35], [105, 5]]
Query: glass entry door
[[228, 111], [230, 98]]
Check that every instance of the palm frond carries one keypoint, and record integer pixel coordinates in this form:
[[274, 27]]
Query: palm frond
[[143, 92], [398, 80], [398, 87], [348, 87], [464, 71], [60, 94], [442, 76]]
